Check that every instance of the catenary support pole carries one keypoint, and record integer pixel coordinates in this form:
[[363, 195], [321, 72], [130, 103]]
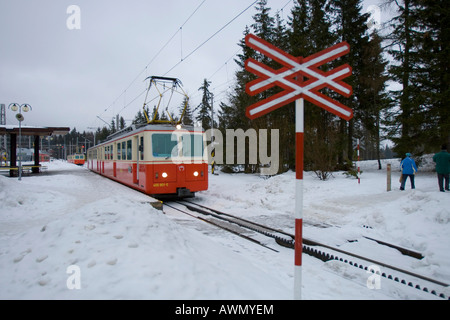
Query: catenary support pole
[[299, 114]]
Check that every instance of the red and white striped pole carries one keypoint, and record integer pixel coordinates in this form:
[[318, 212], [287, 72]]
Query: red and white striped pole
[[298, 214]]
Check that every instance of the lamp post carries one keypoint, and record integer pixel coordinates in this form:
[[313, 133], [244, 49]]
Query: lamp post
[[25, 108]]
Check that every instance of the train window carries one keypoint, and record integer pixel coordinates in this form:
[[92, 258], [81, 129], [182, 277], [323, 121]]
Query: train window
[[112, 151], [192, 145], [129, 153], [118, 152], [163, 145], [124, 151]]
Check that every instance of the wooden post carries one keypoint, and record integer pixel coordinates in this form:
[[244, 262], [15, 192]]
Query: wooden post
[[388, 177]]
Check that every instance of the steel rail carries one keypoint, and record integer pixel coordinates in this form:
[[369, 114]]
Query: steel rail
[[308, 243]]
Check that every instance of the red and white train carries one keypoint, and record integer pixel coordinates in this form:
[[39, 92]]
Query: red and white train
[[77, 158], [157, 159]]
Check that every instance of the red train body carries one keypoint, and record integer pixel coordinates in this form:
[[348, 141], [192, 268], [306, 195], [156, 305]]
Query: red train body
[[157, 159]]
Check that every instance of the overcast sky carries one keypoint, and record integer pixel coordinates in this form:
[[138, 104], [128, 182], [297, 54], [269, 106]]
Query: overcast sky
[[71, 77]]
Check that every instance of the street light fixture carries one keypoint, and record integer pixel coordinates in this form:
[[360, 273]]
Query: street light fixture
[[19, 116]]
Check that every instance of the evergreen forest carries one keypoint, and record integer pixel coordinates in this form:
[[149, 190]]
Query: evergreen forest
[[400, 80]]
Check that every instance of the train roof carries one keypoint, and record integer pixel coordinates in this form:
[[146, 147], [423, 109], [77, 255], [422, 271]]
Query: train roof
[[147, 127]]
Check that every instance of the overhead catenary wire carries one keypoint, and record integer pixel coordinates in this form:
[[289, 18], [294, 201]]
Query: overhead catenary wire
[[151, 61], [212, 36], [225, 64], [182, 59]]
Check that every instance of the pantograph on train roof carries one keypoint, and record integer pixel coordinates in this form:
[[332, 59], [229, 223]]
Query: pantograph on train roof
[[164, 86]]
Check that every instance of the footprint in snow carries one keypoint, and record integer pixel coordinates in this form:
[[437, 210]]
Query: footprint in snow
[[41, 258], [133, 245], [22, 255]]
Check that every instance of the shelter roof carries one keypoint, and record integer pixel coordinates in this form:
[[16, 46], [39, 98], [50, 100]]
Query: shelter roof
[[33, 131]]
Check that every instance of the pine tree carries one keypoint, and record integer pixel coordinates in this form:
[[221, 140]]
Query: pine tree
[[299, 26], [113, 126], [188, 116], [352, 27], [140, 118], [403, 51], [204, 114], [376, 99], [263, 23], [313, 26], [310, 30], [434, 74], [419, 46], [122, 123], [239, 100], [233, 113]]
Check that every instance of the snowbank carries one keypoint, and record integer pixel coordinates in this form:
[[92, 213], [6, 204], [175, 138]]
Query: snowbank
[[124, 248], [70, 226]]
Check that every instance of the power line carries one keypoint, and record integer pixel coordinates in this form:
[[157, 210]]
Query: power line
[[212, 36], [191, 53], [154, 57], [179, 30]]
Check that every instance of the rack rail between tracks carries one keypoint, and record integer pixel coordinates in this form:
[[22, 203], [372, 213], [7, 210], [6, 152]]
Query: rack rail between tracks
[[310, 247]]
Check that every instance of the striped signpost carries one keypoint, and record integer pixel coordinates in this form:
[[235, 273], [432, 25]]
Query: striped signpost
[[291, 78]]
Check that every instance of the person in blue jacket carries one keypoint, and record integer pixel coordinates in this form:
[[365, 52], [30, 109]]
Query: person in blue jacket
[[409, 169]]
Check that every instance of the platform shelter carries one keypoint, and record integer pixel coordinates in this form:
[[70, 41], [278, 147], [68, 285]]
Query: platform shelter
[[37, 132]]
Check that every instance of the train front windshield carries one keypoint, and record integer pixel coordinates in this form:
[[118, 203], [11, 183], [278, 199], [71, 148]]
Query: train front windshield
[[166, 145]]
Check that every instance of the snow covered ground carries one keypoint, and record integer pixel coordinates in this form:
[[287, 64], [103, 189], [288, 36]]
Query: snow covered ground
[[71, 234]]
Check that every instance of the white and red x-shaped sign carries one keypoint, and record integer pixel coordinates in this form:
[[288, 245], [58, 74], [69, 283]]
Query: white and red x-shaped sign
[[290, 78]]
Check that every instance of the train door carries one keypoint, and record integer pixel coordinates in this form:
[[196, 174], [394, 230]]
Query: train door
[[102, 150], [114, 158], [98, 159], [137, 155]]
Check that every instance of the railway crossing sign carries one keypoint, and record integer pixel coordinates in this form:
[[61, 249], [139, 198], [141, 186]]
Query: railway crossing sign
[[286, 78], [290, 78]]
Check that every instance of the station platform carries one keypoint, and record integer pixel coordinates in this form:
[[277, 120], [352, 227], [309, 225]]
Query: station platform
[[14, 131]]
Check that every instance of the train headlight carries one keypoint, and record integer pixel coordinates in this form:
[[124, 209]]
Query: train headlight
[[164, 174], [195, 173]]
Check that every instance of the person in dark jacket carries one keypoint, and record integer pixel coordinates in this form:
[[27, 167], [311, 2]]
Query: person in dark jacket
[[442, 160], [409, 169]]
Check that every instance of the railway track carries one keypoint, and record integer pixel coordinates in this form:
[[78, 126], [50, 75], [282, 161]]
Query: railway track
[[324, 252]]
